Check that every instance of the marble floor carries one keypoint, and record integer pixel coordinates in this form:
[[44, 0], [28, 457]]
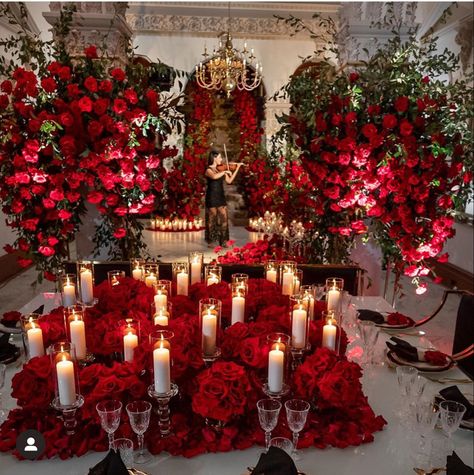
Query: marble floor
[[169, 247]]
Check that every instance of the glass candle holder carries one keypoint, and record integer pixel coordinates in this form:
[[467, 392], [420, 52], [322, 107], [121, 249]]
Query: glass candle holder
[[331, 331], [308, 295], [65, 374], [240, 279], [137, 269], [85, 280], [162, 293], [76, 329], [299, 322], [130, 332], [33, 335], [115, 276], [287, 277], [279, 356], [161, 341], [213, 275], [68, 289], [150, 275], [209, 322], [161, 315], [297, 281], [334, 288], [271, 271], [239, 292], [196, 261], [181, 277]]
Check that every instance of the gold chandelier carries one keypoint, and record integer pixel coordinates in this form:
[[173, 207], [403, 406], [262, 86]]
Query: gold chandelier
[[229, 68]]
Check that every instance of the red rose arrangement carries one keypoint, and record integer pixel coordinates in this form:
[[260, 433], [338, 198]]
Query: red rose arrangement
[[436, 358], [396, 318]]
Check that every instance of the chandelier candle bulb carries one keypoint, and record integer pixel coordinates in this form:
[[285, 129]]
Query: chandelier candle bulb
[[161, 369], [87, 292], [209, 333], [35, 341], [130, 342], [329, 335], [66, 382], [276, 364], [69, 294], [182, 282], [298, 328], [77, 330]]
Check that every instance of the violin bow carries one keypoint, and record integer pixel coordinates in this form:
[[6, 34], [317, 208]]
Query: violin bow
[[226, 160]]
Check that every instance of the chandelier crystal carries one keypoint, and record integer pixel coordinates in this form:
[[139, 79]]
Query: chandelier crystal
[[229, 68]]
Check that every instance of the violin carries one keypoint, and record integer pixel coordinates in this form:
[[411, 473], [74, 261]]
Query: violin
[[231, 166]]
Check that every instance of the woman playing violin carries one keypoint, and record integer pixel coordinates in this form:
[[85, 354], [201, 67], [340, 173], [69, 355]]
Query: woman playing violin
[[217, 226]]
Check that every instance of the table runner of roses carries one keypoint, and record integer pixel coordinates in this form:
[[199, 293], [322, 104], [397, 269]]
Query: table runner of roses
[[225, 392]]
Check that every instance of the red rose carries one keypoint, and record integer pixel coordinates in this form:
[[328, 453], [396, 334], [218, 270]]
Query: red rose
[[120, 233], [4, 101], [118, 74], [64, 214], [95, 197], [131, 96], [436, 357], [369, 131], [91, 52], [401, 104], [120, 106], [46, 251], [64, 73], [90, 84], [253, 353], [105, 86], [95, 128], [49, 84], [6, 87], [85, 104], [389, 121], [406, 128], [66, 119], [353, 77], [10, 318]]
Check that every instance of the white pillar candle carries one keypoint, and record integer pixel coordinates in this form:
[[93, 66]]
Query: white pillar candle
[[137, 273], [329, 336], [161, 300], [287, 283], [150, 280], [333, 299], [209, 333], [298, 328], [130, 342], [35, 341], [195, 272], [296, 285], [182, 283], [311, 308], [161, 319], [78, 337], [87, 291], [212, 279], [238, 309], [161, 369], [69, 294], [66, 382], [272, 275], [276, 360]]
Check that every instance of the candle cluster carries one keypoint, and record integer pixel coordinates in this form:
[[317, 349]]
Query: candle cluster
[[165, 224]]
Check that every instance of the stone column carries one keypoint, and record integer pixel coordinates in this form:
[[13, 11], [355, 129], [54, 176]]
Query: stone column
[[101, 24]]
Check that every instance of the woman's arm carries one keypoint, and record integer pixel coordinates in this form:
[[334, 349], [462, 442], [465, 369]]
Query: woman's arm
[[215, 176], [230, 178]]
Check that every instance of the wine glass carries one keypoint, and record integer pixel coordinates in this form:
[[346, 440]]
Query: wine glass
[[406, 376], [3, 412], [139, 414], [451, 414], [425, 418], [109, 413], [369, 334], [268, 411], [282, 443], [296, 414]]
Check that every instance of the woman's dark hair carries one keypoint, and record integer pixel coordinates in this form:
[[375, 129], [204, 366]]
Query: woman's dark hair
[[212, 155]]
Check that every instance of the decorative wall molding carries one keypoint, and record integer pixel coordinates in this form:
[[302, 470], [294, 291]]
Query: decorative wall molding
[[272, 110], [464, 39]]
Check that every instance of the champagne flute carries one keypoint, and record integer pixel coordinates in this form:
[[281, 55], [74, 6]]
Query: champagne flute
[[451, 414], [296, 414], [139, 414], [109, 413], [268, 411]]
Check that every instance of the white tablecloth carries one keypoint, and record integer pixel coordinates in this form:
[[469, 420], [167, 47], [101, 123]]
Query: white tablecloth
[[387, 455]]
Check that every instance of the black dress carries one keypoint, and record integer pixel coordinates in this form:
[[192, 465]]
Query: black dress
[[215, 196], [217, 226]]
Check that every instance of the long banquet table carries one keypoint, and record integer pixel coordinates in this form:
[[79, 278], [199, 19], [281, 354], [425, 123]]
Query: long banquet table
[[387, 455]]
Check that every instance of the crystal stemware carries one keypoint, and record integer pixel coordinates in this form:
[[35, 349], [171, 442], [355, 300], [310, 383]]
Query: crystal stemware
[[451, 414], [406, 376], [319, 291], [3, 412], [109, 413], [268, 411], [124, 447], [369, 334], [296, 414], [139, 414], [282, 443]]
